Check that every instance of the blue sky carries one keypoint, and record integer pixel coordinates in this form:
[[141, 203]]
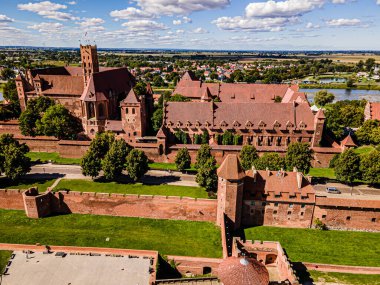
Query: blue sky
[[196, 24]]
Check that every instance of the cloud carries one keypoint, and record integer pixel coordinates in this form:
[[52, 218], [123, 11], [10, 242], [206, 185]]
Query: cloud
[[199, 31], [180, 7], [286, 8], [5, 19], [130, 13], [144, 25], [89, 22], [177, 22], [378, 2], [47, 27], [312, 26], [187, 20], [72, 3], [253, 24], [343, 22], [48, 10]]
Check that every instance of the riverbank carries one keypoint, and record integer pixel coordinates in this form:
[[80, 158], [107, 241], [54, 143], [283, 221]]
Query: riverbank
[[340, 86]]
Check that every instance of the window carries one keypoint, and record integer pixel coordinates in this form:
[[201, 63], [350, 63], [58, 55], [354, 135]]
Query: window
[[348, 218], [277, 196], [126, 110], [373, 220], [274, 212], [302, 213], [323, 216], [133, 110], [303, 205], [290, 205], [289, 212], [276, 204]]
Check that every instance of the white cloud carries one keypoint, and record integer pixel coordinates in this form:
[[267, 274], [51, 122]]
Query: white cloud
[[286, 8], [48, 10], [90, 22], [199, 31], [47, 27], [312, 26], [130, 13], [144, 25], [72, 3], [5, 19], [378, 2], [343, 22], [180, 7], [339, 1], [188, 20], [177, 22], [253, 24]]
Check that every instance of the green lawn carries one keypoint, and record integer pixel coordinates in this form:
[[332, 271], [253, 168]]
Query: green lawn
[[322, 172], [138, 188], [333, 247], [42, 184], [166, 236], [4, 257], [345, 278], [54, 157]]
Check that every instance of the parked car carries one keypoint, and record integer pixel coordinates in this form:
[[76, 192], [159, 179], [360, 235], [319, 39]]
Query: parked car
[[333, 190]]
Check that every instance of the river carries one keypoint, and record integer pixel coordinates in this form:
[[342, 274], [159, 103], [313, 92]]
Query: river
[[344, 94], [1, 96]]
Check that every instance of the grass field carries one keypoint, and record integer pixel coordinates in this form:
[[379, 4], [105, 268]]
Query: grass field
[[364, 149], [322, 172], [332, 247], [54, 157], [138, 188], [345, 278], [4, 257], [166, 236], [42, 184]]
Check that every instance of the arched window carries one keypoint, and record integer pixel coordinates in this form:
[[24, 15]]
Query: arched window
[[126, 110], [91, 110], [133, 111], [101, 110]]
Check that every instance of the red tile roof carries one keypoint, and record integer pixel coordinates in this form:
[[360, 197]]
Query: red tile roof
[[231, 168], [348, 141], [375, 110], [347, 202]]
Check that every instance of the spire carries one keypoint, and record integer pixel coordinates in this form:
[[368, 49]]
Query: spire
[[231, 168], [131, 98]]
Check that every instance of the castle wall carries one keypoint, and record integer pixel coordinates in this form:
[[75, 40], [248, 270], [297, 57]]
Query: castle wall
[[11, 199]]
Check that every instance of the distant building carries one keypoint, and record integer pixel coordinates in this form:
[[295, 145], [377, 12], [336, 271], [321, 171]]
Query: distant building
[[372, 111]]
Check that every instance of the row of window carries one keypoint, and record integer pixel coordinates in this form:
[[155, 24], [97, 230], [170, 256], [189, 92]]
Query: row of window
[[132, 110], [275, 212], [253, 203], [348, 218]]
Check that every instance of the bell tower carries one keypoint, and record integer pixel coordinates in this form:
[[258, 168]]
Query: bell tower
[[90, 63]]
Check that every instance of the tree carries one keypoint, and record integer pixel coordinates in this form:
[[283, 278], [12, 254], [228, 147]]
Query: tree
[[137, 164], [204, 153], [158, 81], [13, 160], [12, 108], [206, 176], [248, 155], [57, 121], [8, 74], [272, 161], [368, 133], [182, 159], [91, 164], [227, 138], [114, 161], [323, 98], [370, 64], [157, 119], [140, 88], [370, 167], [299, 155], [205, 137], [33, 113], [347, 167], [178, 98], [350, 83]]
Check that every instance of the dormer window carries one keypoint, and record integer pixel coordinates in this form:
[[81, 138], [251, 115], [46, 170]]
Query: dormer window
[[302, 125], [178, 124], [223, 124], [236, 124], [262, 125], [169, 124], [252, 96], [248, 125], [233, 96], [289, 125], [276, 124], [198, 124], [188, 124], [207, 124]]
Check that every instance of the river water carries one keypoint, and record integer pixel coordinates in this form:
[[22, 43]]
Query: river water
[[1, 96], [343, 94]]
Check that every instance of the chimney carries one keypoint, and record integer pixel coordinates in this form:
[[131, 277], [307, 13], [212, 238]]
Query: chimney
[[268, 171], [299, 180], [254, 171], [295, 169]]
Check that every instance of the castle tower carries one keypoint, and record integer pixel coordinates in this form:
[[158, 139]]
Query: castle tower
[[90, 63], [20, 85], [230, 190], [133, 116], [319, 121]]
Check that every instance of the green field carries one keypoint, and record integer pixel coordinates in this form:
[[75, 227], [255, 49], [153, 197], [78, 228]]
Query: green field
[[4, 257], [166, 236], [364, 149], [322, 172], [137, 188], [42, 184], [53, 157], [345, 278], [332, 247]]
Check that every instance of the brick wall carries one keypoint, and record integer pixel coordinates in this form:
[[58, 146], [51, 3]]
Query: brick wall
[[9, 127], [11, 199], [196, 265]]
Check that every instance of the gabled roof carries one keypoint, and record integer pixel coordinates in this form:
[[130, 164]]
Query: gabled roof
[[320, 114], [131, 98], [348, 141], [231, 168]]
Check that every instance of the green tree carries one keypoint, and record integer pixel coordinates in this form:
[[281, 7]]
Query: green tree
[[7, 74], [178, 98], [114, 161], [227, 138], [206, 176], [368, 132], [350, 83], [140, 88], [203, 154], [272, 161], [248, 155], [57, 121], [13, 160], [91, 164], [205, 137], [347, 167], [370, 167], [137, 164], [158, 81], [183, 159], [370, 64], [12, 109], [299, 155], [322, 98], [33, 113]]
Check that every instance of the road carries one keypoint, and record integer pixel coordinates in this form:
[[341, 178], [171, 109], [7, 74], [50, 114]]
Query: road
[[74, 172]]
